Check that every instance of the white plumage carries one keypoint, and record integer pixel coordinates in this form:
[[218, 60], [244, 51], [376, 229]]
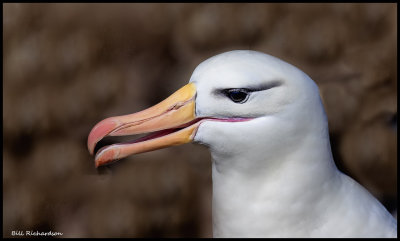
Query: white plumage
[[272, 167], [274, 176]]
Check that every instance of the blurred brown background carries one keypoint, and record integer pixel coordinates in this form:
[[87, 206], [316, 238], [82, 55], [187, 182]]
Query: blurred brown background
[[68, 66]]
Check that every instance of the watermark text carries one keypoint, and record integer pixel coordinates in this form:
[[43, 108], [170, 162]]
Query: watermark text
[[34, 233]]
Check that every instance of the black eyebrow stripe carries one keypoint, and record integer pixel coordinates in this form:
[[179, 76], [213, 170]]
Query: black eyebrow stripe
[[249, 89], [264, 86]]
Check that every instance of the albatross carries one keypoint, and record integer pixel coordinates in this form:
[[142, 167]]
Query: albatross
[[273, 173]]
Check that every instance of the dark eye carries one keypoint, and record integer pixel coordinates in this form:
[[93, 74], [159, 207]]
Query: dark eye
[[237, 95]]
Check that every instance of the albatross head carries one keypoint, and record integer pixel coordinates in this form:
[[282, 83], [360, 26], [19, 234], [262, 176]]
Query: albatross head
[[232, 99], [273, 172]]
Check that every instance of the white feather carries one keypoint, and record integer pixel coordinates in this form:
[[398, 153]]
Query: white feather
[[274, 176]]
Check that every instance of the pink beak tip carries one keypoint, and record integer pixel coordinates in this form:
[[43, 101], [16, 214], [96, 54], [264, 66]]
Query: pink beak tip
[[99, 131], [105, 157]]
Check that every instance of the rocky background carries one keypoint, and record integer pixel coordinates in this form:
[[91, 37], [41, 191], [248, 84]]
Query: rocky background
[[68, 66]]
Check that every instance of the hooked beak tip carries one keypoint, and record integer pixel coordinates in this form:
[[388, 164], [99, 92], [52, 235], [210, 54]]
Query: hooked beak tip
[[99, 131]]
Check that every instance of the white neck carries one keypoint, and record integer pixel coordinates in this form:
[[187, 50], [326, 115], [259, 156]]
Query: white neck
[[265, 202]]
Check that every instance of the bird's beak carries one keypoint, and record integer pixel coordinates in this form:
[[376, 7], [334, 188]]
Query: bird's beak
[[172, 120]]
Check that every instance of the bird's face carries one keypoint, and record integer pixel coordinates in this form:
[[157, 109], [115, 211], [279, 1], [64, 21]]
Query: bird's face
[[263, 90], [230, 99]]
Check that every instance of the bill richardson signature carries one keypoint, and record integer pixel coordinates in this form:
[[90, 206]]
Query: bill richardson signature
[[34, 233]]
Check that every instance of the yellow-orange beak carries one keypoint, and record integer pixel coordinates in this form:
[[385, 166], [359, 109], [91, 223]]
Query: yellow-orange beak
[[173, 119]]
